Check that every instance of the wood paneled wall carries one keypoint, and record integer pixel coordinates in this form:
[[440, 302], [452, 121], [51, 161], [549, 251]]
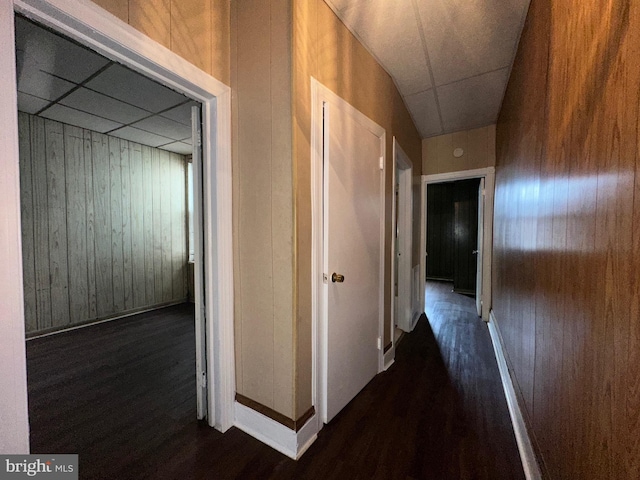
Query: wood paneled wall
[[197, 30], [103, 225], [567, 235]]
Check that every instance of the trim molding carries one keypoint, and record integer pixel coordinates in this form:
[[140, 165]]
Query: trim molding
[[294, 425], [90, 323], [88, 24], [525, 446], [285, 440], [488, 174]]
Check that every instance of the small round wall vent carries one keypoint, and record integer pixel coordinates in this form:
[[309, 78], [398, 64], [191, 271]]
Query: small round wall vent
[[458, 152]]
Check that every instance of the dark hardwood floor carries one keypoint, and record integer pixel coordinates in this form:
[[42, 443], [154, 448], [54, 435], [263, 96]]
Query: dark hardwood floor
[[122, 395]]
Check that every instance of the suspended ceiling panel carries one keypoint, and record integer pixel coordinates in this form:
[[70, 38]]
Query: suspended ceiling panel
[[449, 58], [61, 80]]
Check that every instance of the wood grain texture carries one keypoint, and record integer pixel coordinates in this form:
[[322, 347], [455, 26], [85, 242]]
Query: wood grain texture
[[566, 241], [57, 218], [197, 30], [27, 214], [85, 197], [41, 222], [153, 18]]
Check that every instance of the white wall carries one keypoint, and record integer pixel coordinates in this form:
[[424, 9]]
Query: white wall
[[14, 426]]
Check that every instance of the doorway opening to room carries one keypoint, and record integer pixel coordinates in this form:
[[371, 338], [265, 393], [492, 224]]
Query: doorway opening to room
[[457, 234], [112, 241], [452, 234]]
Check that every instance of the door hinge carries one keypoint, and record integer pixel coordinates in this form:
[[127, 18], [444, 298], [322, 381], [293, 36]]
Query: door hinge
[[483, 192], [381, 163], [379, 343], [203, 379]]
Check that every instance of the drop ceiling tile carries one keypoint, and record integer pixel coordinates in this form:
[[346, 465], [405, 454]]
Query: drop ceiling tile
[[343, 4], [94, 102], [140, 136], [424, 110], [41, 84], [79, 119], [30, 104], [130, 87], [55, 54], [178, 147], [164, 127], [181, 113], [474, 102], [468, 38], [391, 33]]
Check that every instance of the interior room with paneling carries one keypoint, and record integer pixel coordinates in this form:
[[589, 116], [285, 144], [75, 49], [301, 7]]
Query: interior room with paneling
[[119, 343]]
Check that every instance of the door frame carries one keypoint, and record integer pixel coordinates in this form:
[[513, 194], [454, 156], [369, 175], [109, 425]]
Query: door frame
[[488, 174], [405, 219], [92, 26], [321, 95]]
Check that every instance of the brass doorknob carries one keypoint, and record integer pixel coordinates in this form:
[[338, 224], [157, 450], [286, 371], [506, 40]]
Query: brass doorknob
[[336, 277]]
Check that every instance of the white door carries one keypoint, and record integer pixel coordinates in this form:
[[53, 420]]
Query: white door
[[352, 261], [404, 250], [198, 266], [479, 247]]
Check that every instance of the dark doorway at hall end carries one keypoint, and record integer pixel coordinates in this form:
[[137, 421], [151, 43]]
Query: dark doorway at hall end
[[452, 234]]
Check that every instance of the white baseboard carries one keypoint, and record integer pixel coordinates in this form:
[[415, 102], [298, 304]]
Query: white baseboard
[[525, 447], [286, 441], [389, 357]]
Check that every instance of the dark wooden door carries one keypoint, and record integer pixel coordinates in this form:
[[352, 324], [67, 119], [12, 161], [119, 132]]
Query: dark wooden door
[[440, 229], [466, 237]]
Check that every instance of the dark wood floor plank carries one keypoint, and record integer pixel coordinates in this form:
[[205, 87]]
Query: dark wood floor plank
[[122, 395]]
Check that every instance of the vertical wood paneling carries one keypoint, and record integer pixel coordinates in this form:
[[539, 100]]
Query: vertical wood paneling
[[26, 201], [76, 224], [153, 18], [157, 226], [117, 257], [165, 215], [127, 260], [91, 237], [178, 226], [567, 176], [148, 222], [41, 222], [102, 205], [137, 225], [104, 219], [57, 216]]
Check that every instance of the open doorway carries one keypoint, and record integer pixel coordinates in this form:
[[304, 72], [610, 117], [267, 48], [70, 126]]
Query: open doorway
[[112, 231], [452, 234], [477, 202], [86, 23]]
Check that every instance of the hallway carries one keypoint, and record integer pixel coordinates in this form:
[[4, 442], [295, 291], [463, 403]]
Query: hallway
[[438, 413]]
